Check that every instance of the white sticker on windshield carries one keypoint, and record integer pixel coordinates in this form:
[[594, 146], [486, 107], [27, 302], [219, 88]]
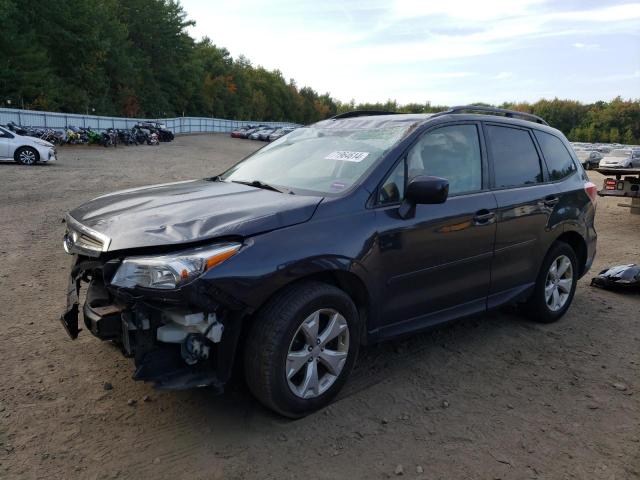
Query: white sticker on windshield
[[346, 156]]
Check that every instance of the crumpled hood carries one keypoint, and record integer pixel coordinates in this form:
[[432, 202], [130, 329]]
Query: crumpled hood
[[181, 212]]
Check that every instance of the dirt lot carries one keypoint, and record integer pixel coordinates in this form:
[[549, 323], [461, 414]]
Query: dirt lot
[[489, 397]]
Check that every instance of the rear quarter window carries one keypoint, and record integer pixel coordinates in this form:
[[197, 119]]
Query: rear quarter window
[[558, 159]]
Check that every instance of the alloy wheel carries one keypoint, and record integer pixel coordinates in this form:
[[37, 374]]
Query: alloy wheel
[[557, 288], [27, 157], [317, 353]]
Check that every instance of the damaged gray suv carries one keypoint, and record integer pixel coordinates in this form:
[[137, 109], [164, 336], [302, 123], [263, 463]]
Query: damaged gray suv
[[354, 230]]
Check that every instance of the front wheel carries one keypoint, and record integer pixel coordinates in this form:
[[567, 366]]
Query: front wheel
[[555, 286], [27, 156], [301, 348]]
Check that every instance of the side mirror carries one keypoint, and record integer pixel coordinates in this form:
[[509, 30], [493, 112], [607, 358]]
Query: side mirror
[[424, 190]]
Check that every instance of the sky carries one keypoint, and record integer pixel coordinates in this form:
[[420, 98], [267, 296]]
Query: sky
[[443, 51]]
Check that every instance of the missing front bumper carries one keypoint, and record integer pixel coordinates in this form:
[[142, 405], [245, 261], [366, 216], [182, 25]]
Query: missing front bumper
[[200, 355]]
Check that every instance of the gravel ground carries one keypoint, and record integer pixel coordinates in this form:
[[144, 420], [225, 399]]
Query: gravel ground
[[488, 397]]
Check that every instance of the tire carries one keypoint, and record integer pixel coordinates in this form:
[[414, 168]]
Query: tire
[[277, 337], [27, 156], [587, 166], [541, 309]]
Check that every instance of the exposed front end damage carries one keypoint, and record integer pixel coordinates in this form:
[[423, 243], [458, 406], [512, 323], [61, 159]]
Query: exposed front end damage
[[178, 339]]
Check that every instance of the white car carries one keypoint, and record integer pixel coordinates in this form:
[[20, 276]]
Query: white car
[[25, 150], [621, 158]]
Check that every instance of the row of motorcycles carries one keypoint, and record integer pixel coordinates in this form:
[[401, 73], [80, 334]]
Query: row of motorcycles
[[149, 133]]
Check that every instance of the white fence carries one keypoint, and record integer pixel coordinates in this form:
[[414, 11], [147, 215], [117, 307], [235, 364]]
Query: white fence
[[37, 119]]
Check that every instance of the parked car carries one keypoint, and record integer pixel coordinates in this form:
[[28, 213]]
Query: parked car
[[255, 135], [264, 134], [249, 132], [350, 231], [163, 133], [621, 158], [237, 133], [25, 150], [589, 158], [279, 133]]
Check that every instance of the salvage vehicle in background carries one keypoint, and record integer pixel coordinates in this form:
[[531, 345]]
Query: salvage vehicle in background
[[621, 158], [237, 133], [259, 133], [589, 158], [245, 134], [350, 231], [264, 134], [25, 150], [280, 133]]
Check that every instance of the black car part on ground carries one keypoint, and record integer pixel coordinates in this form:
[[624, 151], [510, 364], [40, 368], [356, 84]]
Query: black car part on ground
[[620, 277]]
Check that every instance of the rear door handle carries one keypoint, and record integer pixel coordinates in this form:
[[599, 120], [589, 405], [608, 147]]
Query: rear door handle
[[550, 200], [484, 216]]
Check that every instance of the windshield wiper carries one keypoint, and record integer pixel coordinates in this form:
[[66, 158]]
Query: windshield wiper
[[264, 186]]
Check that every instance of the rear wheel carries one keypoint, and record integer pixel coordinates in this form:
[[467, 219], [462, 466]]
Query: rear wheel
[[27, 156], [301, 348], [555, 286]]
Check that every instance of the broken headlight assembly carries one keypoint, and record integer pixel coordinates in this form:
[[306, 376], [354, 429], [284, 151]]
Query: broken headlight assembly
[[173, 270]]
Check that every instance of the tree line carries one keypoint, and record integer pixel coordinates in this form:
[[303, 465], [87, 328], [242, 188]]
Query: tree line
[[135, 58]]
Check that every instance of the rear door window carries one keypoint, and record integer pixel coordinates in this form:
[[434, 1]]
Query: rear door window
[[558, 159], [515, 158]]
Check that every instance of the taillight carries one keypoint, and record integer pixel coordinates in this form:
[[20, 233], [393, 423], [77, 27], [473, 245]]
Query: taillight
[[609, 184], [592, 191]]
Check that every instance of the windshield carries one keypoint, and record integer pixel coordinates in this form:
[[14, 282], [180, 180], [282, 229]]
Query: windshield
[[620, 153], [324, 160]]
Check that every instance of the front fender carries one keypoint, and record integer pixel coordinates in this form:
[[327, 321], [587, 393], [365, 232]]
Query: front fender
[[273, 260]]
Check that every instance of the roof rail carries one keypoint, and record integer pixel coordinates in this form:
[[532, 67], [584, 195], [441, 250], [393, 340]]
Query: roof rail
[[361, 113], [501, 111]]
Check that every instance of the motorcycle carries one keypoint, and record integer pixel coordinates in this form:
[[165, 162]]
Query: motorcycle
[[141, 135], [109, 138], [93, 136], [125, 137]]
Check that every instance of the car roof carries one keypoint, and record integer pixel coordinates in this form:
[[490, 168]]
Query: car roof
[[417, 119]]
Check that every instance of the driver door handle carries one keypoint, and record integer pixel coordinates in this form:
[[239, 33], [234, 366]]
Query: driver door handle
[[484, 217]]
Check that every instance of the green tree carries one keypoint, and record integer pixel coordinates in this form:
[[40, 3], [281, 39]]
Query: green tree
[[614, 135], [628, 137]]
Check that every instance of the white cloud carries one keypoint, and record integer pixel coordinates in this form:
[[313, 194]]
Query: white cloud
[[622, 76], [409, 49], [585, 46]]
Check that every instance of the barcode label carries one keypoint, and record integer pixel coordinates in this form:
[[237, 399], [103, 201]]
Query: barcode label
[[346, 156]]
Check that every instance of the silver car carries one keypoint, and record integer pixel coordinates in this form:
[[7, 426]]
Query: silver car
[[621, 158]]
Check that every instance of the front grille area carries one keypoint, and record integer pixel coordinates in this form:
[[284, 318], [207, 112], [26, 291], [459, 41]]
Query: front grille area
[[83, 240]]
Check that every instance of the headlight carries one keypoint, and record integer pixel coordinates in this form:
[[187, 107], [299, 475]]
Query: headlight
[[172, 270]]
